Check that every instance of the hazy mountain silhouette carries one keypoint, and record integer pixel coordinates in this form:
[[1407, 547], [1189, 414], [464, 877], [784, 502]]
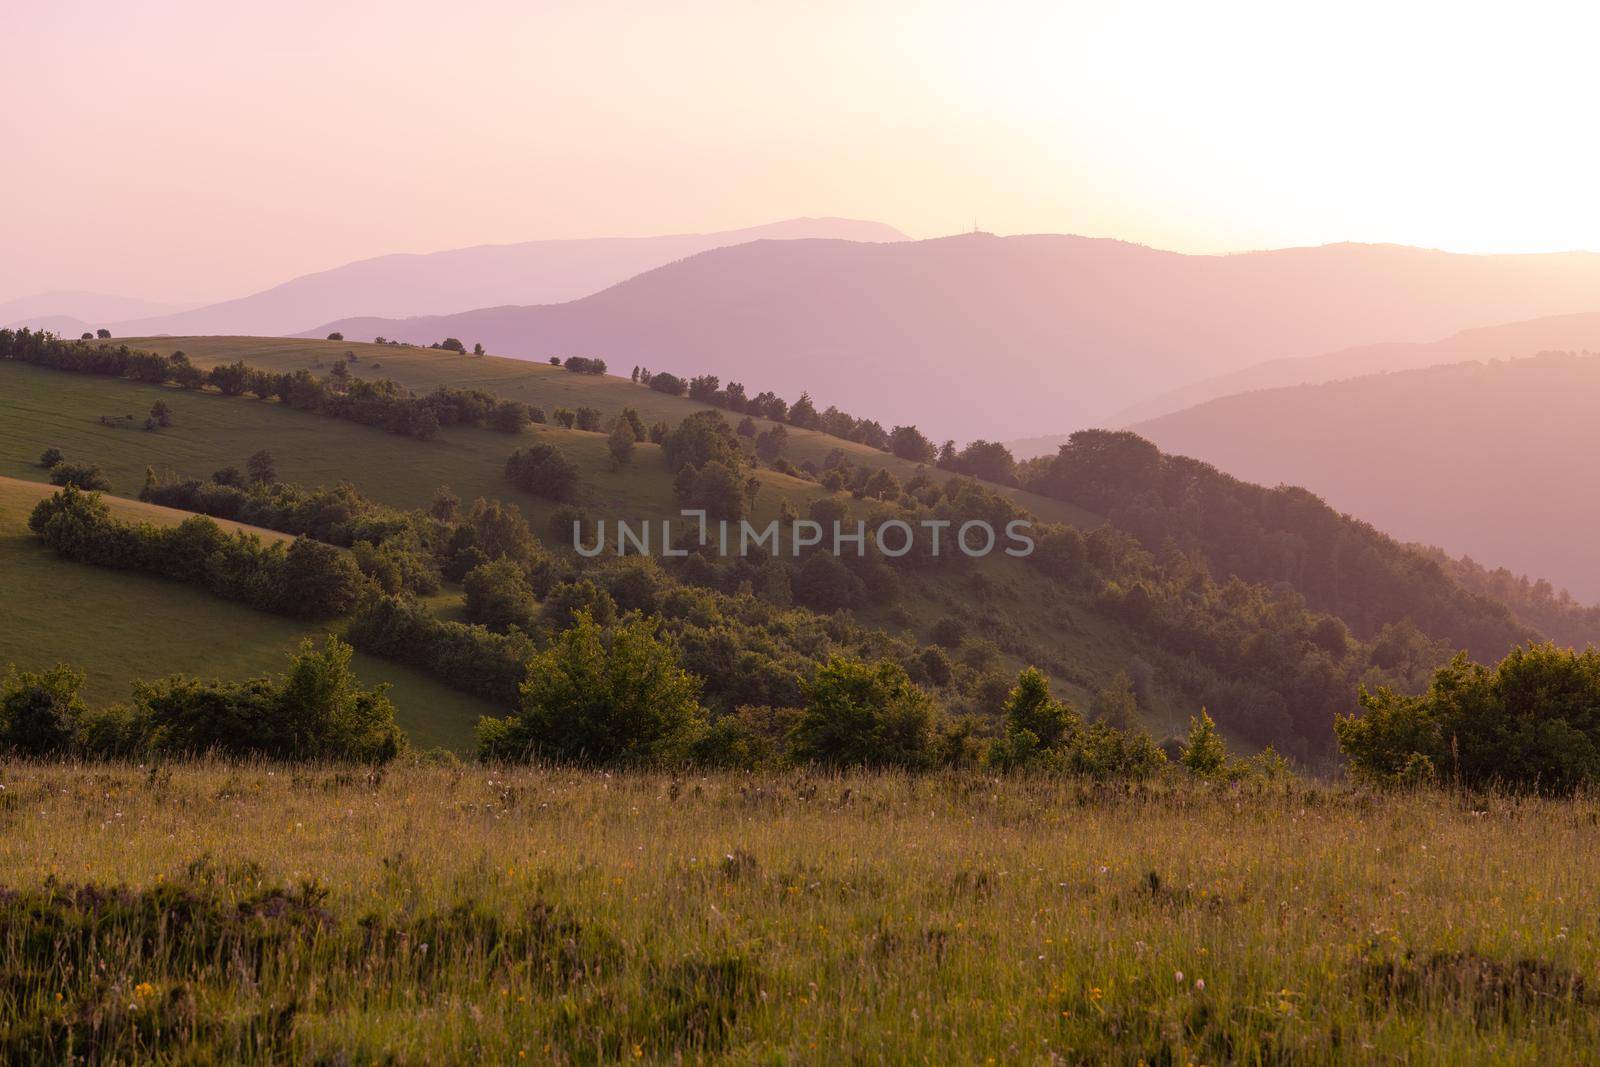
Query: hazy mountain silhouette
[[1553, 333], [1493, 460], [438, 283], [997, 337], [65, 308]]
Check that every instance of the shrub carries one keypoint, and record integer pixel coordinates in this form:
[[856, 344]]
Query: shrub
[[498, 596], [867, 714], [79, 476], [601, 696], [542, 470], [50, 457], [39, 713], [1530, 722], [1203, 754]]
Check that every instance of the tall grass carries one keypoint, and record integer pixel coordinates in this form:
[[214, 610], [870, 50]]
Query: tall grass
[[453, 914]]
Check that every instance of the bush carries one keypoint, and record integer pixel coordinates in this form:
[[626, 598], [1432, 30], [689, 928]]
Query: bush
[[50, 457], [39, 713], [498, 596], [603, 696], [1530, 722], [464, 657], [79, 475], [867, 714], [542, 470]]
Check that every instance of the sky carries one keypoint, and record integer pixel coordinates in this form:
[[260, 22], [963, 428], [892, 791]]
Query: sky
[[193, 151]]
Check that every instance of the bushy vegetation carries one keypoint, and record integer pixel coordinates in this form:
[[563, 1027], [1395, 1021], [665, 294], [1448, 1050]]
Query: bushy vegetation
[[317, 710], [1530, 722], [377, 402], [308, 579]]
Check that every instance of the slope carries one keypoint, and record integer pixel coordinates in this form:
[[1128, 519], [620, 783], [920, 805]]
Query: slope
[[120, 626], [1489, 460]]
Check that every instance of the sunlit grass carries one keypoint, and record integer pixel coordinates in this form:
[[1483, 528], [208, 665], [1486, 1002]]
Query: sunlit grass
[[581, 917]]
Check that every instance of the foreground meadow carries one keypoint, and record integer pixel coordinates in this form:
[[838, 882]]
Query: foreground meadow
[[436, 914]]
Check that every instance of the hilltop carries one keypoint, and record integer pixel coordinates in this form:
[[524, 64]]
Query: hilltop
[[1001, 337], [458, 279]]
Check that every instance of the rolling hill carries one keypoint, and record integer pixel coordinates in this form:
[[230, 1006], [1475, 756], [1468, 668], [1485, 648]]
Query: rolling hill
[[436, 283], [1270, 667], [70, 312], [1491, 460], [1000, 337], [121, 626]]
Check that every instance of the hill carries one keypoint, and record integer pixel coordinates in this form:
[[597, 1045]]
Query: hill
[[1489, 460], [120, 626], [437, 283], [1188, 630], [999, 337], [1513, 340]]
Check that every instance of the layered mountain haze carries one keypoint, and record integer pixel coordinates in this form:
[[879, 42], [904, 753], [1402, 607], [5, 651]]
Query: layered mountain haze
[[1491, 460], [436, 283], [985, 336], [62, 311], [1554, 333]]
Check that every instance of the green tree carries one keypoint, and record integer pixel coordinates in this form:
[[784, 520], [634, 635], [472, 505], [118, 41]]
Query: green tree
[[602, 696], [498, 596], [86, 476], [262, 468], [621, 444], [39, 713], [1203, 753], [1030, 707], [1117, 705], [542, 469], [867, 714]]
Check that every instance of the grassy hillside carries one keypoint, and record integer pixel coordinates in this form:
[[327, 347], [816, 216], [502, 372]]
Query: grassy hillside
[[423, 369], [121, 626], [41, 408], [561, 917]]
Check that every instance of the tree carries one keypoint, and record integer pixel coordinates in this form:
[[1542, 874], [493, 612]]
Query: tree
[[699, 439], [160, 413], [1117, 705], [262, 468], [1029, 706], [39, 713], [542, 470], [771, 443], [103, 334], [87, 336], [907, 442], [804, 413], [621, 444], [50, 457], [445, 505], [336, 336], [477, 348], [80, 476], [865, 714], [714, 488], [509, 416], [670, 384], [499, 597], [319, 581], [1203, 753], [1530, 722], [451, 344], [602, 696], [822, 583]]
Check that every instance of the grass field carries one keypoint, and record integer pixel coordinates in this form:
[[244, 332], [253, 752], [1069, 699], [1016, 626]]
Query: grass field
[[120, 626], [490, 916], [423, 369]]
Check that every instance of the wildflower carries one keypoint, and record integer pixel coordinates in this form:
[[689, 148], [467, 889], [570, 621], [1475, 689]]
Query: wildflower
[[1095, 993], [1177, 976], [1200, 984]]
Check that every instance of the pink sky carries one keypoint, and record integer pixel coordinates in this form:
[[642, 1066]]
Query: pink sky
[[191, 151]]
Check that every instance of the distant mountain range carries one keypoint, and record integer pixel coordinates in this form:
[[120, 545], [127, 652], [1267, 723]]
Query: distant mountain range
[[997, 337], [533, 272], [68, 311], [1564, 333], [1493, 460]]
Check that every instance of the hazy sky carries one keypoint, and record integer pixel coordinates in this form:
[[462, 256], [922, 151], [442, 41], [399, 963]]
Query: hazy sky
[[198, 150]]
